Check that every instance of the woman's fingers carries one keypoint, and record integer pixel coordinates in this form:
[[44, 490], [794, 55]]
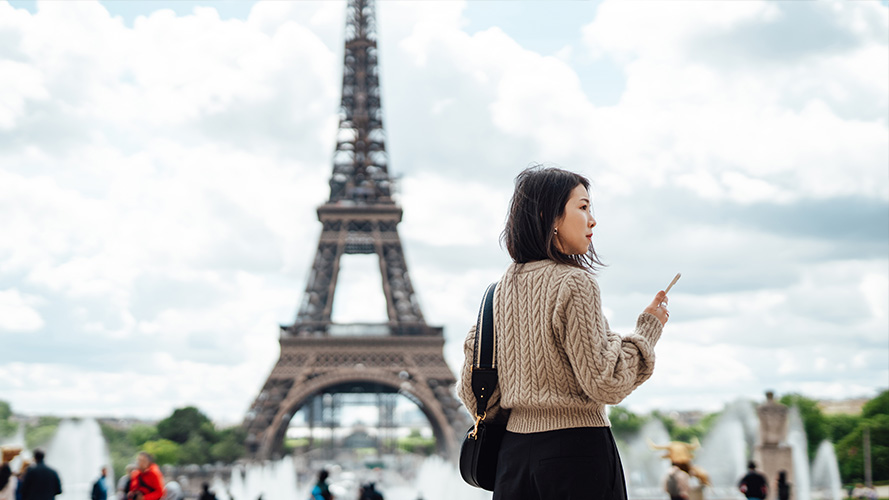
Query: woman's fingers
[[658, 307]]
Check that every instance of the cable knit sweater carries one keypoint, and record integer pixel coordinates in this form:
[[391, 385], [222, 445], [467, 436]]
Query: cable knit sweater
[[557, 360]]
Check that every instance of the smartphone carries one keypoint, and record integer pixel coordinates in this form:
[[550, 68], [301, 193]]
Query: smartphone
[[675, 279]]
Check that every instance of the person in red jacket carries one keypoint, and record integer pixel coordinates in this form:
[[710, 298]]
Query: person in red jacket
[[147, 482]]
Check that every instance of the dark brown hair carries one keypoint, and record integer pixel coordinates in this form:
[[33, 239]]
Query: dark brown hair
[[538, 201]]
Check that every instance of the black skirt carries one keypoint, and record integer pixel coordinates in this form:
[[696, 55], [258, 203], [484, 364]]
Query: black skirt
[[566, 464]]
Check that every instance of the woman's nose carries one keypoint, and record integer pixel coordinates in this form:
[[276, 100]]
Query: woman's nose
[[592, 221]]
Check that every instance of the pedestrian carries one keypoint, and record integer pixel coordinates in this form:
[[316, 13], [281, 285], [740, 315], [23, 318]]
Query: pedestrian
[[206, 494], [173, 490], [754, 485], [859, 493], [21, 476], [146, 481], [40, 482], [558, 361], [369, 492], [123, 484], [676, 484], [321, 490], [782, 486], [100, 487]]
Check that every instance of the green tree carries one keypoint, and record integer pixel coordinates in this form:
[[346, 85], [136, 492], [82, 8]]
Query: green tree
[[624, 423], [40, 433], [876, 406], [230, 446], [5, 410], [850, 449], [7, 427], [164, 451], [687, 433], [416, 443], [184, 422], [120, 447], [194, 451], [139, 434], [840, 426], [813, 420]]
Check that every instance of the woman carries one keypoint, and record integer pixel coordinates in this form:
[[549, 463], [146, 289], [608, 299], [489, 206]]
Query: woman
[[782, 486], [558, 362]]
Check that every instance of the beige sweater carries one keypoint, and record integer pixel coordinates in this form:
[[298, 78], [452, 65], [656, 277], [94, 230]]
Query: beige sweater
[[558, 361]]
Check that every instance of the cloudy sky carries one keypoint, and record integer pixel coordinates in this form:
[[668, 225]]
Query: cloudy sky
[[160, 164]]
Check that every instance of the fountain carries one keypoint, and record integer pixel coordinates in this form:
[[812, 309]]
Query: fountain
[[643, 469], [723, 452], [271, 480], [826, 482], [738, 434], [77, 452], [799, 475]]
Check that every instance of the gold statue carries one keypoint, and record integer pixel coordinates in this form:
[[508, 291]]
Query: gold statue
[[9, 452], [680, 454]]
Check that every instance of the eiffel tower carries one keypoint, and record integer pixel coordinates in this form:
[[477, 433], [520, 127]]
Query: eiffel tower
[[321, 359]]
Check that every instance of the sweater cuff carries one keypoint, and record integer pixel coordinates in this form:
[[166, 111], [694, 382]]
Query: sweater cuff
[[649, 327]]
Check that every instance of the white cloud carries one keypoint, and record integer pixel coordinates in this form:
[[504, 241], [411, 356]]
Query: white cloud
[[159, 183], [17, 312], [875, 289], [762, 122]]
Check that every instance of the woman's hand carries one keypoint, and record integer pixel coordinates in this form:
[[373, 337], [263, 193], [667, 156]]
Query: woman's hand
[[658, 307]]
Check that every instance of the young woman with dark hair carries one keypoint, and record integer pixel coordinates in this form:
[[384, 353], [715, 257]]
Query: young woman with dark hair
[[558, 362]]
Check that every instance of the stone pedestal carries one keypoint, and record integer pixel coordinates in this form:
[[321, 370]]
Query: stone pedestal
[[774, 458]]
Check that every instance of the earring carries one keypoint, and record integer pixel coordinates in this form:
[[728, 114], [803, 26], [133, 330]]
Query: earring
[[556, 231]]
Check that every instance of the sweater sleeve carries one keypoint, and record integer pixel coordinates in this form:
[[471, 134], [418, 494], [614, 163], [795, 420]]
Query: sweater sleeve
[[465, 389], [608, 366]]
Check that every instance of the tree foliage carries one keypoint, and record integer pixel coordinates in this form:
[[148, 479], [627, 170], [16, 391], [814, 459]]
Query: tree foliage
[[183, 424], [141, 433], [416, 443], [198, 440], [40, 433], [230, 446], [686, 433], [164, 451], [7, 426], [876, 406], [624, 423], [120, 446], [840, 425], [850, 449], [5, 410]]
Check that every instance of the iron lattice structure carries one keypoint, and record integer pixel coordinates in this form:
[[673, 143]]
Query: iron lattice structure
[[403, 355]]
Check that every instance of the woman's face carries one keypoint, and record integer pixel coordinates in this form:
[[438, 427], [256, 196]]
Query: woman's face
[[574, 230]]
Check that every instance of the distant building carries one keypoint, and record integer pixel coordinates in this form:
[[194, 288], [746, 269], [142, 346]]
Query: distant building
[[843, 406]]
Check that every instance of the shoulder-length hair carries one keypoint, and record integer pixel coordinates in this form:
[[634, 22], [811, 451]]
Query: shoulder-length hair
[[537, 203]]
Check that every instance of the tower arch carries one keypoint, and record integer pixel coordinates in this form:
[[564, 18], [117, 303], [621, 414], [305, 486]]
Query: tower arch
[[419, 394]]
